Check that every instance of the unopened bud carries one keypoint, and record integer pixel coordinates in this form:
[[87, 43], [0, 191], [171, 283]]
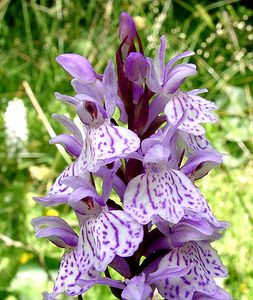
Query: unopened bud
[[136, 67]]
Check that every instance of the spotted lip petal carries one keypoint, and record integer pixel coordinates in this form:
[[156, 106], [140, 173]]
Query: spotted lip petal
[[166, 193], [194, 142], [198, 112], [110, 233], [58, 188], [205, 264], [110, 142], [68, 274]]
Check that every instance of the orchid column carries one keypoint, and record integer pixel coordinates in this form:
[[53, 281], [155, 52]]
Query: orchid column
[[142, 134]]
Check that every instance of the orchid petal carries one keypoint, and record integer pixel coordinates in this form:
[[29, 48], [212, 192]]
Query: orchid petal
[[77, 66], [93, 89], [56, 230], [110, 88], [110, 142], [66, 99], [68, 124], [137, 289], [204, 265], [86, 161], [194, 142], [170, 64], [219, 295], [176, 77], [70, 143], [68, 275], [165, 193], [197, 113], [127, 28], [152, 80], [110, 233], [159, 60], [200, 163], [117, 184]]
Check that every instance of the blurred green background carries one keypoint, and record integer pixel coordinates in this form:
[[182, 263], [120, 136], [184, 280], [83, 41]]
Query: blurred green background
[[33, 33]]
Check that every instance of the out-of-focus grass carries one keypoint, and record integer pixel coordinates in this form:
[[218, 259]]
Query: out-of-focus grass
[[33, 33]]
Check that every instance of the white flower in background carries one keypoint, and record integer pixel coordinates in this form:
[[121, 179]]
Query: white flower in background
[[15, 126]]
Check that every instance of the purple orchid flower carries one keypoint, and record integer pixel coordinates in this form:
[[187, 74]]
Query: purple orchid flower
[[166, 81], [163, 190], [150, 223]]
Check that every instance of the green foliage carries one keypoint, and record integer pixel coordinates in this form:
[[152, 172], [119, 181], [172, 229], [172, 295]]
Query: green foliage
[[33, 33]]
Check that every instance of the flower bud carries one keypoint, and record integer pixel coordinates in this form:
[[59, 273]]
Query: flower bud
[[127, 28], [136, 67]]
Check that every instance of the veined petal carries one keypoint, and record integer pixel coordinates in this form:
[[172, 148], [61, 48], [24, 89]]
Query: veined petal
[[219, 295], [86, 161], [137, 289], [56, 230], [181, 102], [204, 265], [159, 60], [110, 88], [206, 214], [152, 79], [110, 142], [70, 143], [111, 233], [58, 188], [200, 163], [92, 89], [166, 193], [194, 142], [60, 191], [176, 77], [170, 64], [68, 275], [77, 66], [68, 124]]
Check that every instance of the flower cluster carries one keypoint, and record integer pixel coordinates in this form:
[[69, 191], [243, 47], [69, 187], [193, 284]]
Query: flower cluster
[[143, 136]]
